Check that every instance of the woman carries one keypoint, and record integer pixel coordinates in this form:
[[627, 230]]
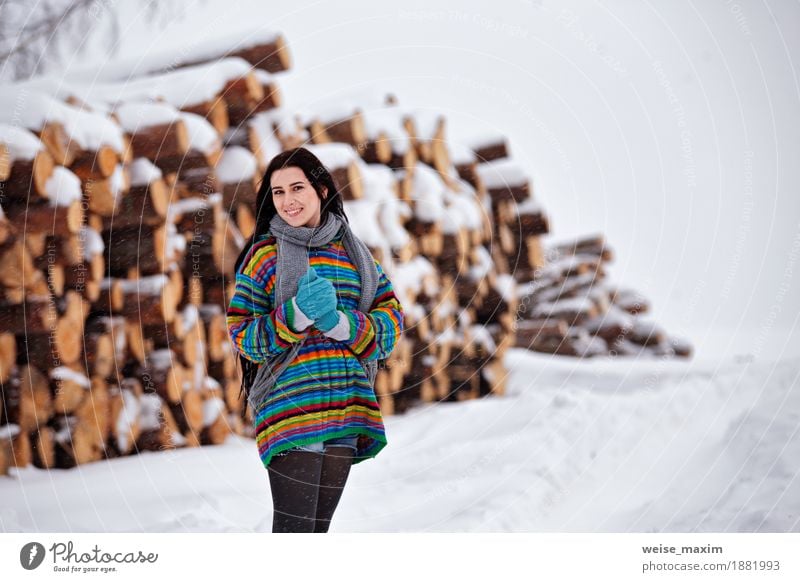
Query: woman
[[312, 313]]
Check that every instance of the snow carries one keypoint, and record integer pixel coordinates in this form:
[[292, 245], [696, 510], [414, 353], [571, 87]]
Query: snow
[[484, 264], [92, 243], [129, 414], [192, 204], [502, 173], [20, 143], [604, 445], [388, 122], [64, 373], [32, 110], [380, 187], [237, 164], [144, 172], [261, 124], [63, 187], [134, 116], [528, 206], [163, 57], [461, 154], [463, 210], [482, 140], [150, 411], [212, 408], [202, 135], [334, 155], [8, 431], [427, 192], [506, 285], [426, 122], [413, 274], [151, 285]]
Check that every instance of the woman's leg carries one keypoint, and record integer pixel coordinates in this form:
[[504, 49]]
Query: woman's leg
[[294, 481], [336, 464]]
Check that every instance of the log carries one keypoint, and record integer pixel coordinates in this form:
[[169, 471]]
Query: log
[[215, 423], [94, 412], [95, 165], [240, 110], [144, 246], [76, 444], [8, 433], [70, 387], [5, 163], [241, 96], [159, 431], [188, 412], [347, 130], [145, 204], [149, 301], [43, 447], [8, 358], [158, 141], [59, 143], [215, 111], [105, 345], [592, 245], [124, 412], [272, 57], [111, 298], [104, 195], [162, 374], [494, 150], [43, 217], [28, 317], [27, 179], [28, 401]]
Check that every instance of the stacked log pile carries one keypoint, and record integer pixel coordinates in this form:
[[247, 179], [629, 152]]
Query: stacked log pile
[[124, 205]]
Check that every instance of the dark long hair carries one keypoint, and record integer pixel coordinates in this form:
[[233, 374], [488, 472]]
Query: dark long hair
[[318, 175]]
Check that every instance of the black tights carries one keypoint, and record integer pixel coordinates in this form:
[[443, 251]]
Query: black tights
[[306, 488]]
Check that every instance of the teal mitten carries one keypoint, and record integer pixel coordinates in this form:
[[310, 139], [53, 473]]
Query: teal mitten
[[316, 296], [327, 321]]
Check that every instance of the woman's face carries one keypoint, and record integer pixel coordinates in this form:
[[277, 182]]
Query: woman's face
[[295, 198]]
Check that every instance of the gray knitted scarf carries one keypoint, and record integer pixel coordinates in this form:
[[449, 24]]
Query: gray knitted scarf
[[294, 243]]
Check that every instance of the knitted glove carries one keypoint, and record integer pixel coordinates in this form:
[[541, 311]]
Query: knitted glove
[[316, 296], [327, 321]]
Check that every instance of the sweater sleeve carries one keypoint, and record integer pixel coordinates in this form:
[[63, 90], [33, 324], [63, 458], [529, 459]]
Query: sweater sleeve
[[374, 335], [258, 331]]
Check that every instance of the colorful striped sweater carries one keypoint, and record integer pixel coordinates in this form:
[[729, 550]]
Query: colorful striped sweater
[[324, 392]]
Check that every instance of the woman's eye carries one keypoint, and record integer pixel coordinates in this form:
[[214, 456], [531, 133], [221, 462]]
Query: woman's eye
[[298, 187]]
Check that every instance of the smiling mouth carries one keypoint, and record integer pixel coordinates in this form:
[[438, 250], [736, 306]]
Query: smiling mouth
[[294, 212]]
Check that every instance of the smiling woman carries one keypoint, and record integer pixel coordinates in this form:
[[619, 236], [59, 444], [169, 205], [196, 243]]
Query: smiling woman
[[295, 199], [311, 315]]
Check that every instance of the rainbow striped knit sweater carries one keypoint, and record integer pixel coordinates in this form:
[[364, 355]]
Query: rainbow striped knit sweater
[[324, 392]]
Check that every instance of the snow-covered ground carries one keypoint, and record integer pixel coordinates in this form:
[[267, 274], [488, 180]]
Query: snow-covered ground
[[639, 446]]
